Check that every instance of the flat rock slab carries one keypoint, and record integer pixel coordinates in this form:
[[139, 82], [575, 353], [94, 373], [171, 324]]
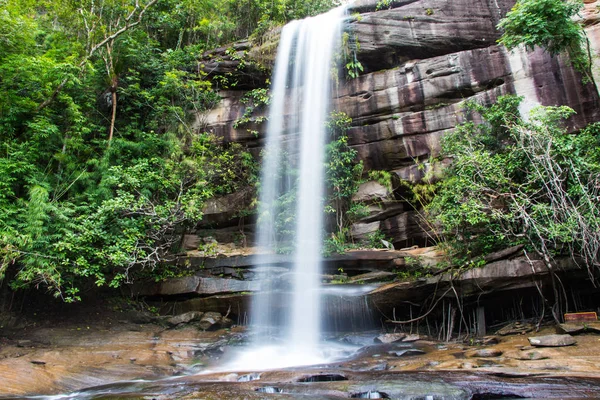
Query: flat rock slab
[[390, 337], [487, 340], [485, 353], [574, 328], [406, 352], [375, 276], [531, 355], [552, 341], [411, 338], [185, 318]]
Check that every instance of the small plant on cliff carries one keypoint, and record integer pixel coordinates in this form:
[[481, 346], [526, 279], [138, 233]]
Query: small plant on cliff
[[342, 170], [548, 24], [350, 48], [381, 4], [254, 100], [384, 178]]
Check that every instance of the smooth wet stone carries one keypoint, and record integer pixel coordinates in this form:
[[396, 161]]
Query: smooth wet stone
[[210, 320], [378, 367], [488, 340], [411, 338], [485, 353], [532, 355], [185, 318], [552, 341], [390, 338], [358, 339], [406, 352]]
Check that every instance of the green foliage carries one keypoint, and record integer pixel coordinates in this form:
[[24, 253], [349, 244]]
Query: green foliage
[[254, 100], [342, 171], [377, 240], [73, 211], [521, 182], [350, 47], [548, 24], [381, 4], [354, 67], [384, 178], [338, 242]]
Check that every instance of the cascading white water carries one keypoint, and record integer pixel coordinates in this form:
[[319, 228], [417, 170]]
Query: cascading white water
[[301, 93]]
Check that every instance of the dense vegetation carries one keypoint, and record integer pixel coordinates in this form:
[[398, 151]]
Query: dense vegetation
[[549, 24], [102, 166], [522, 179], [515, 181]]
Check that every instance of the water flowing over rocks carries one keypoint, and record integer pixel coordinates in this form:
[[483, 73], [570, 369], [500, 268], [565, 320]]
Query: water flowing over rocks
[[422, 59]]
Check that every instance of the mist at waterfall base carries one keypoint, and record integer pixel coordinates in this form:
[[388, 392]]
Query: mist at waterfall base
[[286, 324]]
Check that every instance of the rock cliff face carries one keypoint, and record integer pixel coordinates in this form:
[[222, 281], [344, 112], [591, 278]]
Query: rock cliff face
[[422, 59]]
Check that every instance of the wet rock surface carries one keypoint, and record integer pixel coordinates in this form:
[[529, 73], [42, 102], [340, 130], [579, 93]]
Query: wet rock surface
[[390, 338], [574, 328], [552, 341], [486, 353], [64, 359]]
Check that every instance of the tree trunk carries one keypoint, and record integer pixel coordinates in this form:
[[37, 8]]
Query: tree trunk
[[113, 90]]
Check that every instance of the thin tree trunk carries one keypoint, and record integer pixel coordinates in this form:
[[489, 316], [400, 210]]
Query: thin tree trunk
[[114, 109]]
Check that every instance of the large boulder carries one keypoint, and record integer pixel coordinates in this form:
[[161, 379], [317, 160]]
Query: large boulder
[[390, 338], [210, 321], [552, 341]]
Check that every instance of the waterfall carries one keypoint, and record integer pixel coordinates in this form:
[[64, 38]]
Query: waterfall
[[301, 93]]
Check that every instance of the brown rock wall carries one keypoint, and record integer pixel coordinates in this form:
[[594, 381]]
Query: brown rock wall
[[423, 59]]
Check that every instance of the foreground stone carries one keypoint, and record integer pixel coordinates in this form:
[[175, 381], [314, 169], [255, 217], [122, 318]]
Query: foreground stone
[[406, 352], [532, 355], [213, 320], [411, 338], [390, 338], [486, 353], [68, 358], [185, 318], [552, 341]]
